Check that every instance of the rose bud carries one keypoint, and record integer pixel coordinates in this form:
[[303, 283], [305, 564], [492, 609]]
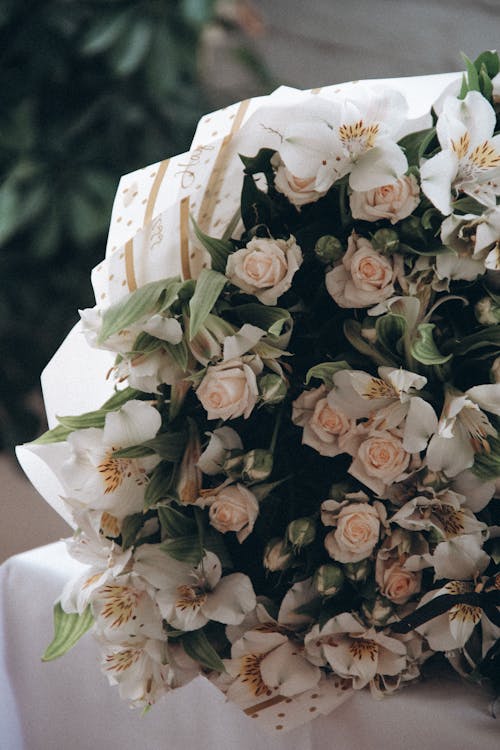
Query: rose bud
[[377, 612], [385, 241], [328, 579], [301, 532], [253, 466], [272, 388], [358, 571], [190, 479], [487, 312], [328, 249], [277, 555]]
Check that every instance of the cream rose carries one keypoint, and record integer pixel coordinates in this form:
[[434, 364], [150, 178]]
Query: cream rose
[[233, 508], [380, 460], [265, 267], [298, 190], [324, 425], [228, 390], [394, 202], [363, 278], [357, 533], [396, 584]]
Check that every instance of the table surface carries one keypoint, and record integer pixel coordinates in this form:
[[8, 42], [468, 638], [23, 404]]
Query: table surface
[[68, 703]]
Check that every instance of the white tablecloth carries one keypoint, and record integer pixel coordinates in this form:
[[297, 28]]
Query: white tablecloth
[[68, 705]]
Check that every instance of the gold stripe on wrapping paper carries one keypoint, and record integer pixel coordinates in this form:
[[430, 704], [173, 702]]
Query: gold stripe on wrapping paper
[[216, 177], [184, 238], [263, 705], [316, 91], [153, 195], [129, 266]]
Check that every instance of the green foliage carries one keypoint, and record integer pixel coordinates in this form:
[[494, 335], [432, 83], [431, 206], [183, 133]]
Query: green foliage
[[208, 289], [198, 647], [68, 629], [91, 90]]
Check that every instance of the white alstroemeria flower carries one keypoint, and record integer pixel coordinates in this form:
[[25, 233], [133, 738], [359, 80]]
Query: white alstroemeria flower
[[354, 652], [266, 663], [106, 559], [139, 669], [444, 512], [389, 401], [222, 440], [470, 158], [356, 136], [452, 629], [95, 478], [189, 597], [472, 235], [148, 371], [159, 325], [477, 492], [463, 428], [124, 609], [460, 557]]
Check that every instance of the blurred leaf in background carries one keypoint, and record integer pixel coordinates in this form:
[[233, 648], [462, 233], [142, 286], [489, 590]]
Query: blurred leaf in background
[[91, 90]]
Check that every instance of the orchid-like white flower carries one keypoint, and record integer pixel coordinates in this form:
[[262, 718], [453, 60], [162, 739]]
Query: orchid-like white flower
[[222, 441], [443, 512], [188, 597], [354, 652], [139, 669], [124, 609], [453, 628], [470, 158], [95, 478], [463, 428], [355, 135]]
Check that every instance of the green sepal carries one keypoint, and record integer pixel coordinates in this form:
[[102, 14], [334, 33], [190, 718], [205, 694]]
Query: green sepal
[[391, 330], [487, 463], [325, 372], [130, 527], [185, 549], [209, 286], [424, 347], [68, 629], [56, 435], [198, 647], [219, 250], [147, 300]]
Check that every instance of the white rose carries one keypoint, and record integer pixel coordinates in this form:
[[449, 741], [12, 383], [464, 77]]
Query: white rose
[[265, 267], [233, 508], [298, 190], [363, 278], [394, 202], [228, 390], [324, 425], [380, 460], [395, 583], [357, 533]]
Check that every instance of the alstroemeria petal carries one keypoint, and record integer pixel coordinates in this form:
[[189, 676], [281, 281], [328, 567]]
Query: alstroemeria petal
[[487, 397], [421, 423], [380, 165], [460, 558], [436, 176], [286, 669], [133, 424], [451, 455], [230, 601]]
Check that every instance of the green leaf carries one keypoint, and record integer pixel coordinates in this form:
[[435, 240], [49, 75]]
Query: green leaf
[[209, 286], [185, 549], [487, 463], [130, 527], [179, 353], [219, 250], [270, 319], [68, 629], [256, 206], [415, 144], [468, 206], [391, 330], [132, 48], [352, 332], [424, 348], [489, 336], [472, 75], [174, 523], [104, 33], [198, 647], [325, 371], [169, 445], [489, 61], [83, 421], [56, 435], [485, 83], [160, 485], [133, 451], [147, 300]]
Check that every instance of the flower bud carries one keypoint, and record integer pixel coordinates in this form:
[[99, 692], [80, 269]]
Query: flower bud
[[189, 481], [385, 241], [495, 370], [328, 249], [328, 579], [254, 466], [301, 532], [487, 311], [357, 571], [272, 389], [377, 611], [277, 556], [412, 231]]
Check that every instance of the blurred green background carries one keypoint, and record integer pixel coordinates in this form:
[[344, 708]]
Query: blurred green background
[[91, 90]]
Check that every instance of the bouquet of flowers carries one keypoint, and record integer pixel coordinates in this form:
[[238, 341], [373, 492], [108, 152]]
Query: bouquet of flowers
[[291, 490]]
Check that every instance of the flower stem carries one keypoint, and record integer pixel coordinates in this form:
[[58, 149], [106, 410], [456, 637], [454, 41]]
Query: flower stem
[[277, 425]]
